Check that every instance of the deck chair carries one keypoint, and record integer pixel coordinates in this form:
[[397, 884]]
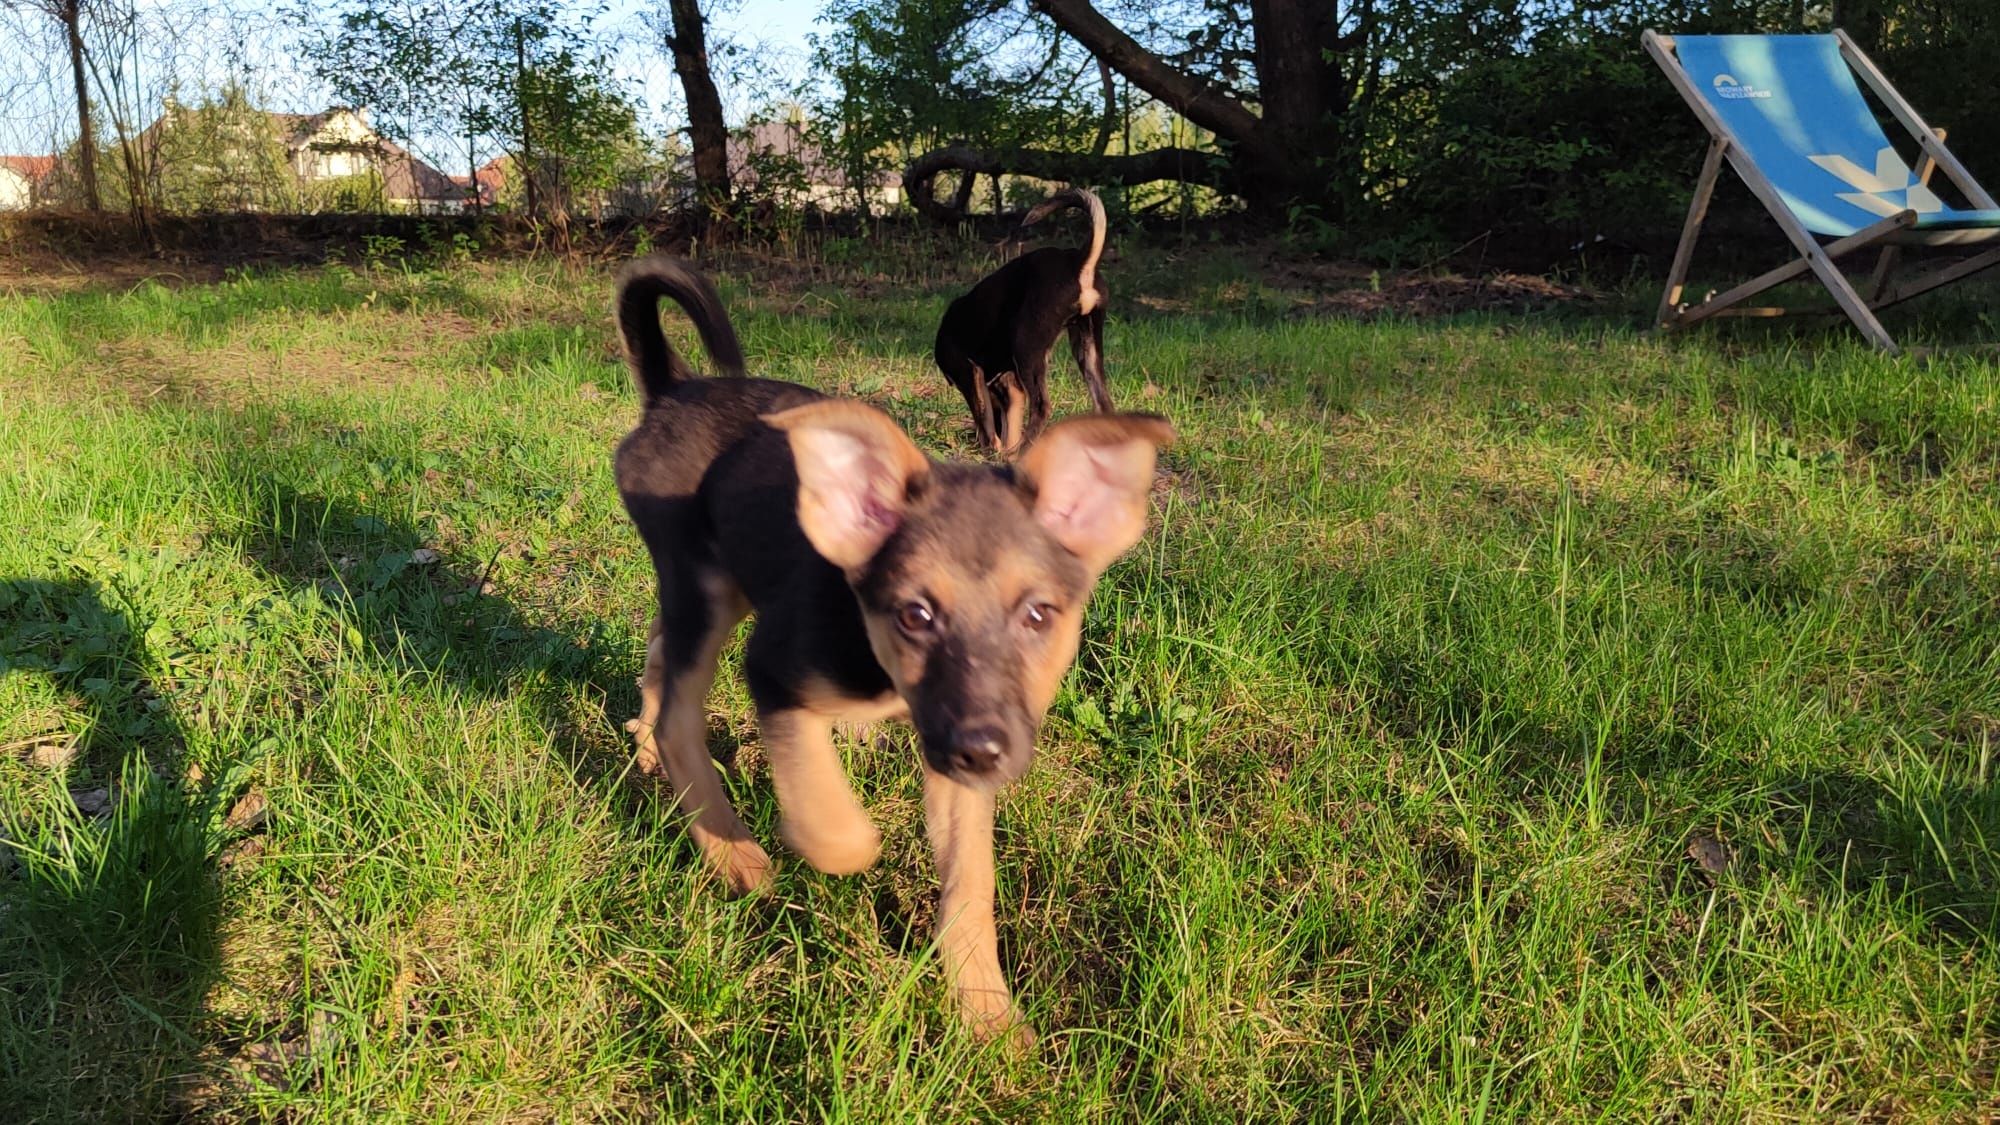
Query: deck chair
[[1785, 112]]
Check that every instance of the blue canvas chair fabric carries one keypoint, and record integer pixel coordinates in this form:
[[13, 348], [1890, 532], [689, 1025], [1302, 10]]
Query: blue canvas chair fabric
[[1786, 112], [1792, 103]]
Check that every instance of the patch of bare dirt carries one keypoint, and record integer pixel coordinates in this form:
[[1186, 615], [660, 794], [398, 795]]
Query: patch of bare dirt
[[1445, 295]]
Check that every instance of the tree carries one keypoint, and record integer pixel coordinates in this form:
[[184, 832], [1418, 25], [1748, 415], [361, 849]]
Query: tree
[[428, 68], [525, 77], [961, 76], [1309, 65], [688, 40], [220, 154], [68, 14]]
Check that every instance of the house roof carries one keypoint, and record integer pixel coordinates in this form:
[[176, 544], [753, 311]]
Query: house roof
[[489, 177], [785, 140], [404, 176], [30, 168]]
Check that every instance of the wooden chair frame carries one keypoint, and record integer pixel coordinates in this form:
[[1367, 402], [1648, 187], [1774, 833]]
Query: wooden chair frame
[[1890, 235]]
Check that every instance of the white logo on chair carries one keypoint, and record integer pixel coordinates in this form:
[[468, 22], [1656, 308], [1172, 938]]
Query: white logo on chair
[[1726, 86], [1878, 192]]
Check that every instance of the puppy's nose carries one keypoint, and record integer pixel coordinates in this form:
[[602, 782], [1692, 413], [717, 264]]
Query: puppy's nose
[[977, 749]]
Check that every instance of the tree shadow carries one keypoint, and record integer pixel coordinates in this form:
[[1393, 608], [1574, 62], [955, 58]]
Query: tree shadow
[[415, 609], [1921, 836], [108, 916]]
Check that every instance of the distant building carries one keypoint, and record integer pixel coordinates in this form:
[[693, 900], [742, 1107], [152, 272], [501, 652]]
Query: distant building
[[487, 181], [228, 150], [21, 180], [340, 143], [780, 160]]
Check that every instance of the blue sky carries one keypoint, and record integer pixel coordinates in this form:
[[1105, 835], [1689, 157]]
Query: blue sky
[[769, 34]]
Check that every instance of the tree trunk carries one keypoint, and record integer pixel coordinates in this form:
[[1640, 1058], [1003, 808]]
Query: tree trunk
[[72, 21], [1272, 160], [1180, 164], [527, 170], [705, 128], [1298, 82]]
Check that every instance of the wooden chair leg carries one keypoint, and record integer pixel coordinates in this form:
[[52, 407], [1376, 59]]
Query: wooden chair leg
[[1704, 190], [1885, 265]]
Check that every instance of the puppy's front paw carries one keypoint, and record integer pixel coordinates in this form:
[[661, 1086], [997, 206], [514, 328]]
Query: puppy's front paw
[[847, 849], [646, 750], [741, 863], [992, 1017]]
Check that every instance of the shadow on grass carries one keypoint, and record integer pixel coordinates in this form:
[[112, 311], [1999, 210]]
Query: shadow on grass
[[418, 611], [86, 322], [1920, 836], [108, 920]]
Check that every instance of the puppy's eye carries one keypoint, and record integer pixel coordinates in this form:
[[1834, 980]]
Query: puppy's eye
[[915, 618], [1038, 616]]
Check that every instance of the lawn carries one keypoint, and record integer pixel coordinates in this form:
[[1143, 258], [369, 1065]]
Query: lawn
[[1508, 715]]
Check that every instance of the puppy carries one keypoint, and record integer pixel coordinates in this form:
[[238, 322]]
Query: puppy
[[995, 341], [885, 584]]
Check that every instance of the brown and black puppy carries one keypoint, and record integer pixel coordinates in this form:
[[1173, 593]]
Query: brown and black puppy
[[884, 583], [994, 342]]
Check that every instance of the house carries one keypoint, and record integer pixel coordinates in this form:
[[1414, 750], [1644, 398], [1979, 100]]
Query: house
[[226, 155], [339, 143], [781, 161], [21, 180], [487, 179]]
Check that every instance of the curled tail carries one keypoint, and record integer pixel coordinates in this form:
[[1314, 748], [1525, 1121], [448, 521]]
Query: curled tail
[[656, 367], [1087, 201]]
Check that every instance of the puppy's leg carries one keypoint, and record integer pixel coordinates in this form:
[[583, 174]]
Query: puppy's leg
[[652, 694], [1086, 344], [982, 410], [1017, 408], [694, 621], [1031, 358], [959, 821], [822, 819], [964, 374]]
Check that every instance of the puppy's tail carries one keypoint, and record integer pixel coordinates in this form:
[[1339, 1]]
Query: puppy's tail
[[656, 367], [1087, 201]]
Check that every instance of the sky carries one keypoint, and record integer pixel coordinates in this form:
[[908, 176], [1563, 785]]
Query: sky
[[770, 36]]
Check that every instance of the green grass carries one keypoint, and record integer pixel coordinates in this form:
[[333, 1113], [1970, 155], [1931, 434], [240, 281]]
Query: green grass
[[1371, 795]]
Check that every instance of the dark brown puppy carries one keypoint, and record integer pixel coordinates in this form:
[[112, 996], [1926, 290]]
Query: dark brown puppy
[[995, 341], [884, 583]]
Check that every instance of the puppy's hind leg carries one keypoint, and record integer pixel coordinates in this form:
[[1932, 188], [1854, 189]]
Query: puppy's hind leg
[[982, 410], [1086, 345], [1032, 370], [964, 374], [1009, 388], [694, 621]]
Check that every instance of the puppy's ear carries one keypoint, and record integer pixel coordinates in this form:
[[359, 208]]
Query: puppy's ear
[[1090, 475], [857, 471]]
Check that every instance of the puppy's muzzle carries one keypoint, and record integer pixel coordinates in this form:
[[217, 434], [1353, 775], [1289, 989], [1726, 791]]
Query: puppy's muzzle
[[984, 753]]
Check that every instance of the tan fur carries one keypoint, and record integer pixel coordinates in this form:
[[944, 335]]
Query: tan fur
[[851, 440], [823, 822], [1086, 279], [1017, 411], [959, 821]]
